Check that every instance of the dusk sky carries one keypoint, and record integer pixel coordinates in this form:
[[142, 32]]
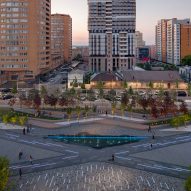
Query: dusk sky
[[148, 13]]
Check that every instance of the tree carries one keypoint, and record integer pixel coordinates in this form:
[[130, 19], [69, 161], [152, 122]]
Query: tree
[[12, 102], [32, 94], [113, 108], [75, 83], [154, 111], [151, 85], [87, 109], [14, 90], [5, 118], [83, 87], [63, 101], [69, 113], [125, 85], [130, 91], [78, 112], [188, 184], [122, 107], [37, 103], [22, 99], [50, 100], [22, 120], [124, 99], [112, 95], [43, 92], [143, 102], [4, 173], [186, 60], [14, 119], [183, 108], [100, 86], [189, 89]]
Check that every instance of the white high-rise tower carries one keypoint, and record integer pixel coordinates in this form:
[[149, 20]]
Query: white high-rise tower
[[111, 26]]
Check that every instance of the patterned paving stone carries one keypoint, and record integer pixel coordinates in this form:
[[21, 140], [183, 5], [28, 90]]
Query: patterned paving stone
[[97, 176]]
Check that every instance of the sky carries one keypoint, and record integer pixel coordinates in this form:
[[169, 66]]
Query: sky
[[148, 13]]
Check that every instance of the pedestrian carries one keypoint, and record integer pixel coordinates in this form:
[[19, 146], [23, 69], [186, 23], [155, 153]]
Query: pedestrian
[[20, 155], [30, 159], [153, 137], [151, 146], [113, 157], [149, 129], [24, 131], [20, 172]]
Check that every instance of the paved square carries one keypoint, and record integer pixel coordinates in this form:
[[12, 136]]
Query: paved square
[[179, 154], [11, 150], [97, 176]]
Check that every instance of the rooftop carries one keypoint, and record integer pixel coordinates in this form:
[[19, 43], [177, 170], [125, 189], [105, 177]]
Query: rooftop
[[147, 76]]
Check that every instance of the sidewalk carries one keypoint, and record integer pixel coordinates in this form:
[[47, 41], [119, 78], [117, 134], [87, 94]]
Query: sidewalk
[[124, 118]]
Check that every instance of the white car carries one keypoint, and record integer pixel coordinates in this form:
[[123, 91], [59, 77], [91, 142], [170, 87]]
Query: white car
[[142, 93]]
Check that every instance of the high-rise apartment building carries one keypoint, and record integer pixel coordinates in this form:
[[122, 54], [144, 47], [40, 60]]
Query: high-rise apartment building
[[61, 39], [24, 38], [111, 26], [173, 40], [139, 42]]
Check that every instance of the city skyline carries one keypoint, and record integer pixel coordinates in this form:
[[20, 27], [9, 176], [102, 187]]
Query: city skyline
[[147, 10]]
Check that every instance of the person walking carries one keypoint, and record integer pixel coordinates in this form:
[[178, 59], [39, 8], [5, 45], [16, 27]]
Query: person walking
[[30, 159], [24, 131], [151, 146], [20, 172], [113, 157], [149, 129], [20, 155]]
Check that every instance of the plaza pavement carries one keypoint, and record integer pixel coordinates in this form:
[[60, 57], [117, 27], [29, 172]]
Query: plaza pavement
[[68, 158], [179, 129], [179, 154], [11, 150], [105, 126], [97, 176]]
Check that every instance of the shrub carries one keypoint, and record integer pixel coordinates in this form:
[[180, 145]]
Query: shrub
[[188, 184], [4, 173]]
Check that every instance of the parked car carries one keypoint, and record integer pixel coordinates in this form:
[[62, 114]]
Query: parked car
[[8, 97], [181, 94]]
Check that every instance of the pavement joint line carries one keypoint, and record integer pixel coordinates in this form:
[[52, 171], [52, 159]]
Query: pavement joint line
[[154, 167], [153, 180], [176, 169], [51, 182], [43, 165], [70, 157], [148, 183], [12, 135], [146, 144], [182, 137], [122, 152], [163, 167], [72, 151], [141, 178], [12, 138], [125, 158], [167, 186], [138, 182]]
